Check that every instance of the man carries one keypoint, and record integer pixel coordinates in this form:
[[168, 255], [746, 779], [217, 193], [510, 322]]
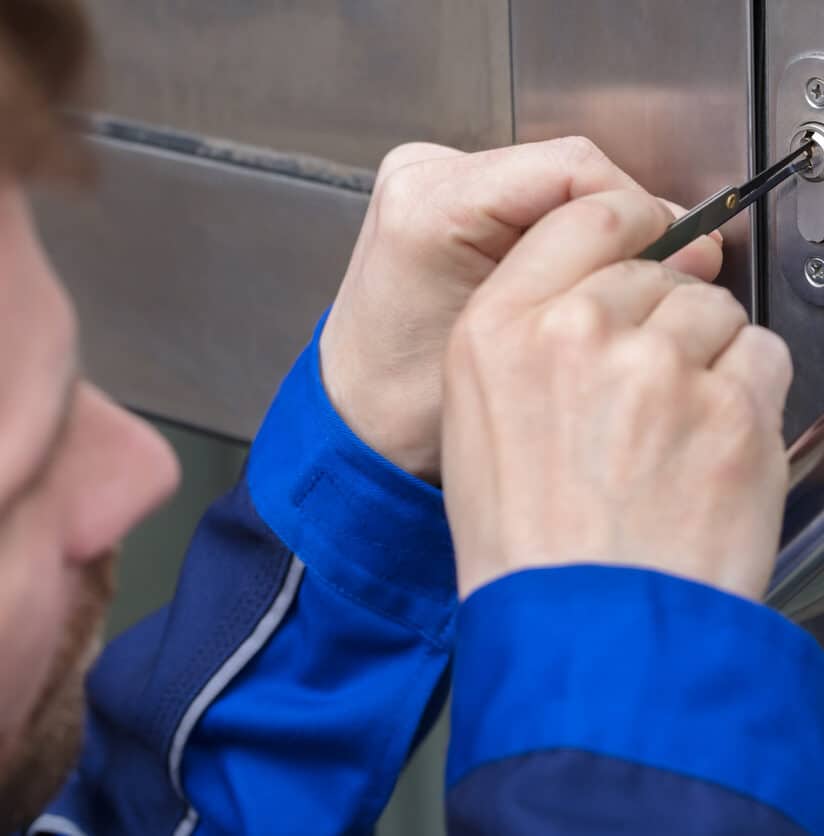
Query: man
[[283, 694], [65, 450]]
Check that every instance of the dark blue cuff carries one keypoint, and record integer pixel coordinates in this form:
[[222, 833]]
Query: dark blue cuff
[[369, 529], [648, 668]]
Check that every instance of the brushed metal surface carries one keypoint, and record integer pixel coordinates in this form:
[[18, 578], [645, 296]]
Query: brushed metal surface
[[197, 283], [662, 88], [342, 79], [795, 44]]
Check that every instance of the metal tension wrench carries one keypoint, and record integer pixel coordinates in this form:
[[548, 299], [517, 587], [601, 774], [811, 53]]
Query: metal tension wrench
[[725, 205]]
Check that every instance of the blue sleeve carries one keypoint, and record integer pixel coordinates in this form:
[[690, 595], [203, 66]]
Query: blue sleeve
[[305, 653], [591, 701]]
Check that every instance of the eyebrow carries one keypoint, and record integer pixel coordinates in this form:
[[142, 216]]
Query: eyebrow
[[59, 431]]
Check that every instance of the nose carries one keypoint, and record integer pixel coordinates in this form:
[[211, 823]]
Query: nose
[[116, 471]]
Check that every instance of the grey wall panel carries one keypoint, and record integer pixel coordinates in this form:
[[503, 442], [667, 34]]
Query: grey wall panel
[[794, 28], [342, 79], [662, 87], [196, 283]]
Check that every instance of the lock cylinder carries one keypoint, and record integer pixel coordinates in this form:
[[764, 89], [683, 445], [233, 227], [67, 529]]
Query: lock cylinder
[[810, 195], [811, 131]]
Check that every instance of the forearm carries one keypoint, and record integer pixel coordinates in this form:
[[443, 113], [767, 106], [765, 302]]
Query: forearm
[[339, 694]]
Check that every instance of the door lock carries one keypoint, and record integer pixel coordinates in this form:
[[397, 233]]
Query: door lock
[[799, 203]]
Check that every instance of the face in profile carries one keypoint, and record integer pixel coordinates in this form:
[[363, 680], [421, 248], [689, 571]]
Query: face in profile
[[76, 471]]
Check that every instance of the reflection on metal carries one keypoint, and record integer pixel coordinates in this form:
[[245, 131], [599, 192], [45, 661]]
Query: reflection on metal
[[198, 283], [663, 92], [794, 55], [333, 78], [811, 132], [796, 586]]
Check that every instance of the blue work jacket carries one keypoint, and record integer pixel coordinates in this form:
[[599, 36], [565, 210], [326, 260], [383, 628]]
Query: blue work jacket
[[313, 637]]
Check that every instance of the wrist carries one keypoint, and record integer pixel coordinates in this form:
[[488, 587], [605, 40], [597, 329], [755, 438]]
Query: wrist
[[396, 414], [369, 529]]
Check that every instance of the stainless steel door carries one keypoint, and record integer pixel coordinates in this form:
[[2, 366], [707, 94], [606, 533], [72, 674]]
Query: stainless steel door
[[794, 56], [198, 255], [342, 79], [233, 139], [665, 88]]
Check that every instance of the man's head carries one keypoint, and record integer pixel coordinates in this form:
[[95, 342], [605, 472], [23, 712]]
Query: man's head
[[76, 472]]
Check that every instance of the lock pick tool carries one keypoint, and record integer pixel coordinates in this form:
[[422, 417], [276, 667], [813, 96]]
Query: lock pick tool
[[726, 204]]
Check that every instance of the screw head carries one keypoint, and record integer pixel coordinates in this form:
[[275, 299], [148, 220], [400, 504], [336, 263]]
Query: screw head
[[814, 271], [815, 92]]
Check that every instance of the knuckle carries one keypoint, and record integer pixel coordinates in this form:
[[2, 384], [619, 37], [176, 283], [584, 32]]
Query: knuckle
[[398, 185], [774, 349], [602, 219], [395, 199], [652, 373], [576, 320], [397, 157], [577, 149], [659, 215], [683, 297], [621, 272], [407, 154], [645, 275], [701, 294], [657, 356], [722, 297], [621, 214], [657, 275], [414, 203]]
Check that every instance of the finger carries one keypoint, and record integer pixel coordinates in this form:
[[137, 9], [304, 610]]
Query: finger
[[628, 292], [574, 241], [702, 320], [493, 196], [679, 211], [702, 258], [760, 360]]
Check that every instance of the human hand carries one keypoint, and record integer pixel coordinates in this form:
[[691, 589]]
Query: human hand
[[600, 410], [438, 224]]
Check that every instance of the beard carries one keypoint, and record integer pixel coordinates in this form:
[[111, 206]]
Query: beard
[[50, 741]]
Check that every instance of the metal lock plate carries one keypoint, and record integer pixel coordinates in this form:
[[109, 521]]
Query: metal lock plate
[[809, 196], [799, 217]]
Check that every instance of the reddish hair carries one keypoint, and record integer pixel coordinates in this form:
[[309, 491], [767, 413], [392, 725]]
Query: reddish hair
[[45, 72]]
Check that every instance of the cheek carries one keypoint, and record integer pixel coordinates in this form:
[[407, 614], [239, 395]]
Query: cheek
[[33, 609]]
